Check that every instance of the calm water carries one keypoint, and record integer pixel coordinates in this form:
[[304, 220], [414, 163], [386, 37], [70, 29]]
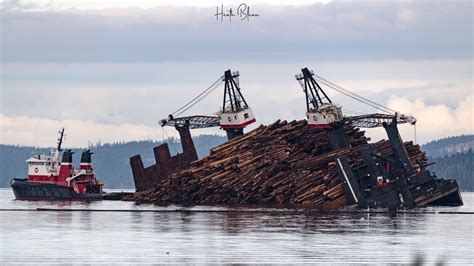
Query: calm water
[[129, 237]]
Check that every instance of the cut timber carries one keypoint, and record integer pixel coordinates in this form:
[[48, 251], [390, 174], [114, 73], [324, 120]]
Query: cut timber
[[282, 163]]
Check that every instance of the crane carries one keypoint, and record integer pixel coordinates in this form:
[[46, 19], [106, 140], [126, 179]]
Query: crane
[[361, 184], [234, 116], [321, 112]]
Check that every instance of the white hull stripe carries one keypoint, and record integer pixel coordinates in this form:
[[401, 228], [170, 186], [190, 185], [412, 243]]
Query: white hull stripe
[[347, 180]]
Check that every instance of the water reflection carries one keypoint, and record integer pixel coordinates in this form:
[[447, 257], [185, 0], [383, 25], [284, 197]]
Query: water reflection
[[226, 237], [62, 218], [161, 222], [85, 220], [238, 222]]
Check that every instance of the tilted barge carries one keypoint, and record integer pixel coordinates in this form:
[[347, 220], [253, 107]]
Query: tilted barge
[[324, 162]]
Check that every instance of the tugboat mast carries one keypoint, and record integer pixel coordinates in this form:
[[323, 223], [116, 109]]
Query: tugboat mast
[[60, 139]]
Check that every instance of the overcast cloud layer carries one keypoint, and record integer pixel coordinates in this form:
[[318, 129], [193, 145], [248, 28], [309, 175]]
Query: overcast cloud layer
[[110, 74], [335, 31]]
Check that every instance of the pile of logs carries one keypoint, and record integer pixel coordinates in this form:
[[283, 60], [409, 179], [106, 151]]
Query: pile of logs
[[282, 163]]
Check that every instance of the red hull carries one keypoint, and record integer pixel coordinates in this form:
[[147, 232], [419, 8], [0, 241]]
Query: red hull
[[319, 126], [239, 126]]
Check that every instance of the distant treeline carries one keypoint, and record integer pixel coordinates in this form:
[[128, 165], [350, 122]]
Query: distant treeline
[[456, 166], [111, 161], [453, 158], [450, 145]]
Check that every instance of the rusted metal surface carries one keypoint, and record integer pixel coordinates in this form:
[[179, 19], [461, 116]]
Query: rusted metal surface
[[166, 164]]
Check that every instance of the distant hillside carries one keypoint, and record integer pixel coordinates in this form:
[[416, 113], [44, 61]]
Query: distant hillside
[[457, 166], [111, 161], [454, 159], [447, 146]]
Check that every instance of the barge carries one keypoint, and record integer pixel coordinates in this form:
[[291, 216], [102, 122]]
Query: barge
[[325, 161]]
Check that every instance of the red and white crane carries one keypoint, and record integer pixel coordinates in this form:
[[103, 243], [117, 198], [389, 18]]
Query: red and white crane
[[321, 112], [234, 116]]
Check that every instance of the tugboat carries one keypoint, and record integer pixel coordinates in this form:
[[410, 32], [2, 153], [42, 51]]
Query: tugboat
[[52, 179]]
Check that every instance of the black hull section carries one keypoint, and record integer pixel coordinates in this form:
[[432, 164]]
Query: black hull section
[[410, 191], [25, 190], [449, 194], [439, 192]]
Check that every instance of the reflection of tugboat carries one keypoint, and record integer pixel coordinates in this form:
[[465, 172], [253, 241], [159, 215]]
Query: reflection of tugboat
[[52, 179]]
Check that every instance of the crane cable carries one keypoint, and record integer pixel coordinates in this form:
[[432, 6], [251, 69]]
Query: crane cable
[[414, 129], [199, 97], [204, 96], [354, 95], [358, 97], [169, 140]]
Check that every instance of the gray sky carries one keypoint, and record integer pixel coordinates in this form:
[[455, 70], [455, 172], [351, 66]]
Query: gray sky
[[110, 72]]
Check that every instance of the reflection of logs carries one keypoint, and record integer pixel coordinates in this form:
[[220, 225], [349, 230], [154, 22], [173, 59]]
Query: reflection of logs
[[282, 163]]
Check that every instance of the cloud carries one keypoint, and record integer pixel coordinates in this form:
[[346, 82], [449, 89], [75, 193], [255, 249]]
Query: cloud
[[126, 67], [143, 93], [333, 31], [436, 121], [41, 131], [22, 5], [91, 5]]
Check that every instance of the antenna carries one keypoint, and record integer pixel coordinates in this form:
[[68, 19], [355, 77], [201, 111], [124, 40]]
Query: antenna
[[60, 139]]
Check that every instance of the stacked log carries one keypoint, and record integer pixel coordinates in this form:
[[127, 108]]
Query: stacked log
[[282, 163]]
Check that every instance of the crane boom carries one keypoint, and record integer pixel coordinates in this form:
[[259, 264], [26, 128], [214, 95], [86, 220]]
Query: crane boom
[[194, 122], [377, 120]]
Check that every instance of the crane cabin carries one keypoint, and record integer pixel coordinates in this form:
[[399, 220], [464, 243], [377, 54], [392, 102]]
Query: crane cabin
[[235, 113], [324, 116]]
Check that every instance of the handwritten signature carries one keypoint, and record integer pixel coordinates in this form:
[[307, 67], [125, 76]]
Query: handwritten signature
[[243, 12]]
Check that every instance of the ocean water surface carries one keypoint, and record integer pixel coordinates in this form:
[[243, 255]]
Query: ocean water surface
[[28, 236]]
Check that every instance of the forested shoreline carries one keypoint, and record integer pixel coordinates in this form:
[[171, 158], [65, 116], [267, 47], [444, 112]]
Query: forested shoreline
[[453, 157]]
